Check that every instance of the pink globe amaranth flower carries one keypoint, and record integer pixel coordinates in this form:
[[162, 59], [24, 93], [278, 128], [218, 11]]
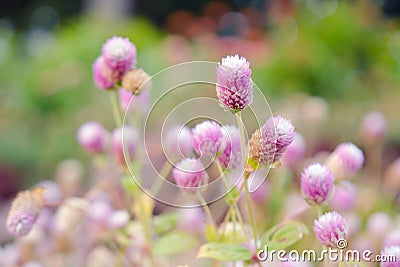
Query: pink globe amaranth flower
[[142, 100], [317, 184], [118, 219], [268, 144], [345, 161], [330, 228], [231, 156], [234, 84], [178, 142], [124, 140], [392, 239], [208, 139], [25, 210], [379, 224], [295, 151], [92, 137], [390, 257], [99, 212], [374, 126], [119, 55], [345, 196], [102, 75], [190, 175]]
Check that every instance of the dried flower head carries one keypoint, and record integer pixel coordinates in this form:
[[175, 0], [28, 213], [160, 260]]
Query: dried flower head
[[234, 84], [267, 144], [102, 75], [24, 211], [119, 55], [317, 184], [330, 228], [231, 156], [207, 138], [134, 80], [190, 174], [70, 214], [345, 161]]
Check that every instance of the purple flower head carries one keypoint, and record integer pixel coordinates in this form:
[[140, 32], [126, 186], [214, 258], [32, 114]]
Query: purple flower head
[[330, 228], [208, 139], [102, 75], [295, 151], [267, 144], [345, 161], [234, 84], [119, 55], [118, 219], [178, 142], [379, 224], [392, 253], [374, 126], [190, 174], [124, 140], [317, 184], [25, 210], [142, 100], [231, 156], [345, 196], [392, 239], [99, 212], [92, 137]]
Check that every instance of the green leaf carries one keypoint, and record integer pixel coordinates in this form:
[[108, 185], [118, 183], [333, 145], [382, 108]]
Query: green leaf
[[165, 222], [224, 252], [174, 243], [129, 184], [284, 235]]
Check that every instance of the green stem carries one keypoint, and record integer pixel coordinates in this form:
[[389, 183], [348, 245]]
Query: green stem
[[242, 138], [165, 170], [206, 209], [116, 109]]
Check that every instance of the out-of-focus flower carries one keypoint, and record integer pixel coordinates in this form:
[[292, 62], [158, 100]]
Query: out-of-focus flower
[[92, 137], [374, 126], [99, 212], [24, 211], [191, 220], [119, 55], [141, 100], [208, 139], [379, 224], [392, 253], [345, 161], [392, 239], [124, 140], [345, 196], [317, 184], [392, 176], [234, 84], [295, 151], [101, 75], [32, 264], [52, 193], [226, 231], [231, 157], [100, 256], [118, 219], [190, 175], [137, 79], [69, 176], [330, 228], [267, 144], [70, 214], [178, 142]]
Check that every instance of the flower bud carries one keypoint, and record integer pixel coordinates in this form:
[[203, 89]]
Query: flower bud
[[207, 138], [92, 137], [137, 79], [190, 175], [317, 184], [101, 75]]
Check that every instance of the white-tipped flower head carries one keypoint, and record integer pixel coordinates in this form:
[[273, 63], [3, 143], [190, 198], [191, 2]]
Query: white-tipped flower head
[[119, 55], [190, 175], [330, 228], [234, 84], [92, 137], [392, 253], [317, 184], [267, 144], [101, 75], [345, 161]]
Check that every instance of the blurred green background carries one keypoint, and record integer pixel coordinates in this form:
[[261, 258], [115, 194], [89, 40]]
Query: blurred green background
[[346, 52]]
